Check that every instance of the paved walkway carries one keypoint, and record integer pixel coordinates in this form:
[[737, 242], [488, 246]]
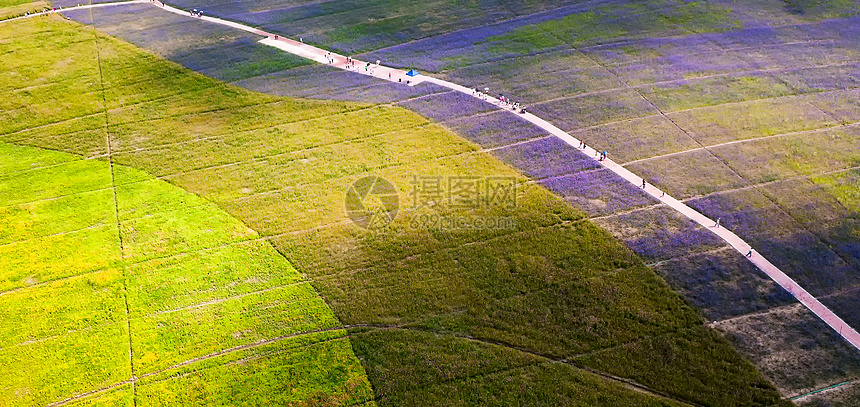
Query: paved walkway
[[397, 75]]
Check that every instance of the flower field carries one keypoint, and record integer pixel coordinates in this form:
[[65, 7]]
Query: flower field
[[339, 315]]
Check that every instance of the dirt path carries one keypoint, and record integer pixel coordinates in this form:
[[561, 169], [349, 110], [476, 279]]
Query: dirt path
[[397, 75]]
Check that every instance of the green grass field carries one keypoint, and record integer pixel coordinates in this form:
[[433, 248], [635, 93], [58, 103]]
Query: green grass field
[[89, 275], [538, 313]]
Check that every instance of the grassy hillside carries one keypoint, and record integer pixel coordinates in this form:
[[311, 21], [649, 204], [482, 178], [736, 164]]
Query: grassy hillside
[[530, 313]]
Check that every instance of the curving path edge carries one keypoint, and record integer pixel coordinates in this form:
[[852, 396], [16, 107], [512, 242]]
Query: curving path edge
[[397, 75]]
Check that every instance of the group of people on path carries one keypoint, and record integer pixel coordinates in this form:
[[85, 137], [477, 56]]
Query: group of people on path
[[504, 101]]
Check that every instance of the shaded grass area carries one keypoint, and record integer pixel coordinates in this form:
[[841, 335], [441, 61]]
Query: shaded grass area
[[549, 282], [496, 373], [647, 361]]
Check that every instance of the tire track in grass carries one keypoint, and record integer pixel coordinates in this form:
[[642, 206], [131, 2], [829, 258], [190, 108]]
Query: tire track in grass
[[824, 389], [116, 213], [194, 360], [374, 327], [262, 158]]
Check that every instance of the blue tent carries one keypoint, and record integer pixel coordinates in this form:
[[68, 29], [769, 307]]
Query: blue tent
[[412, 73]]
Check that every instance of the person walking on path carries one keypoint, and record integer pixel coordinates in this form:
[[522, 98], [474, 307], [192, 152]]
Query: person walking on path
[[749, 254], [643, 183], [717, 224]]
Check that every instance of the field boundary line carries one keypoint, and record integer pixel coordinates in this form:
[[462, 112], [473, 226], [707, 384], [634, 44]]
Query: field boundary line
[[766, 183], [118, 222], [836, 125], [551, 359], [781, 307], [88, 394], [246, 346], [62, 233]]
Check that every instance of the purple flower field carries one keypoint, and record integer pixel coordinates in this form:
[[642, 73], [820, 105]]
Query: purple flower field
[[625, 52], [823, 79], [576, 113], [495, 129], [463, 47], [545, 158], [746, 212], [598, 193], [81, 16], [660, 233], [809, 261], [847, 29], [799, 253], [448, 105], [757, 36], [723, 284], [680, 67], [163, 33]]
